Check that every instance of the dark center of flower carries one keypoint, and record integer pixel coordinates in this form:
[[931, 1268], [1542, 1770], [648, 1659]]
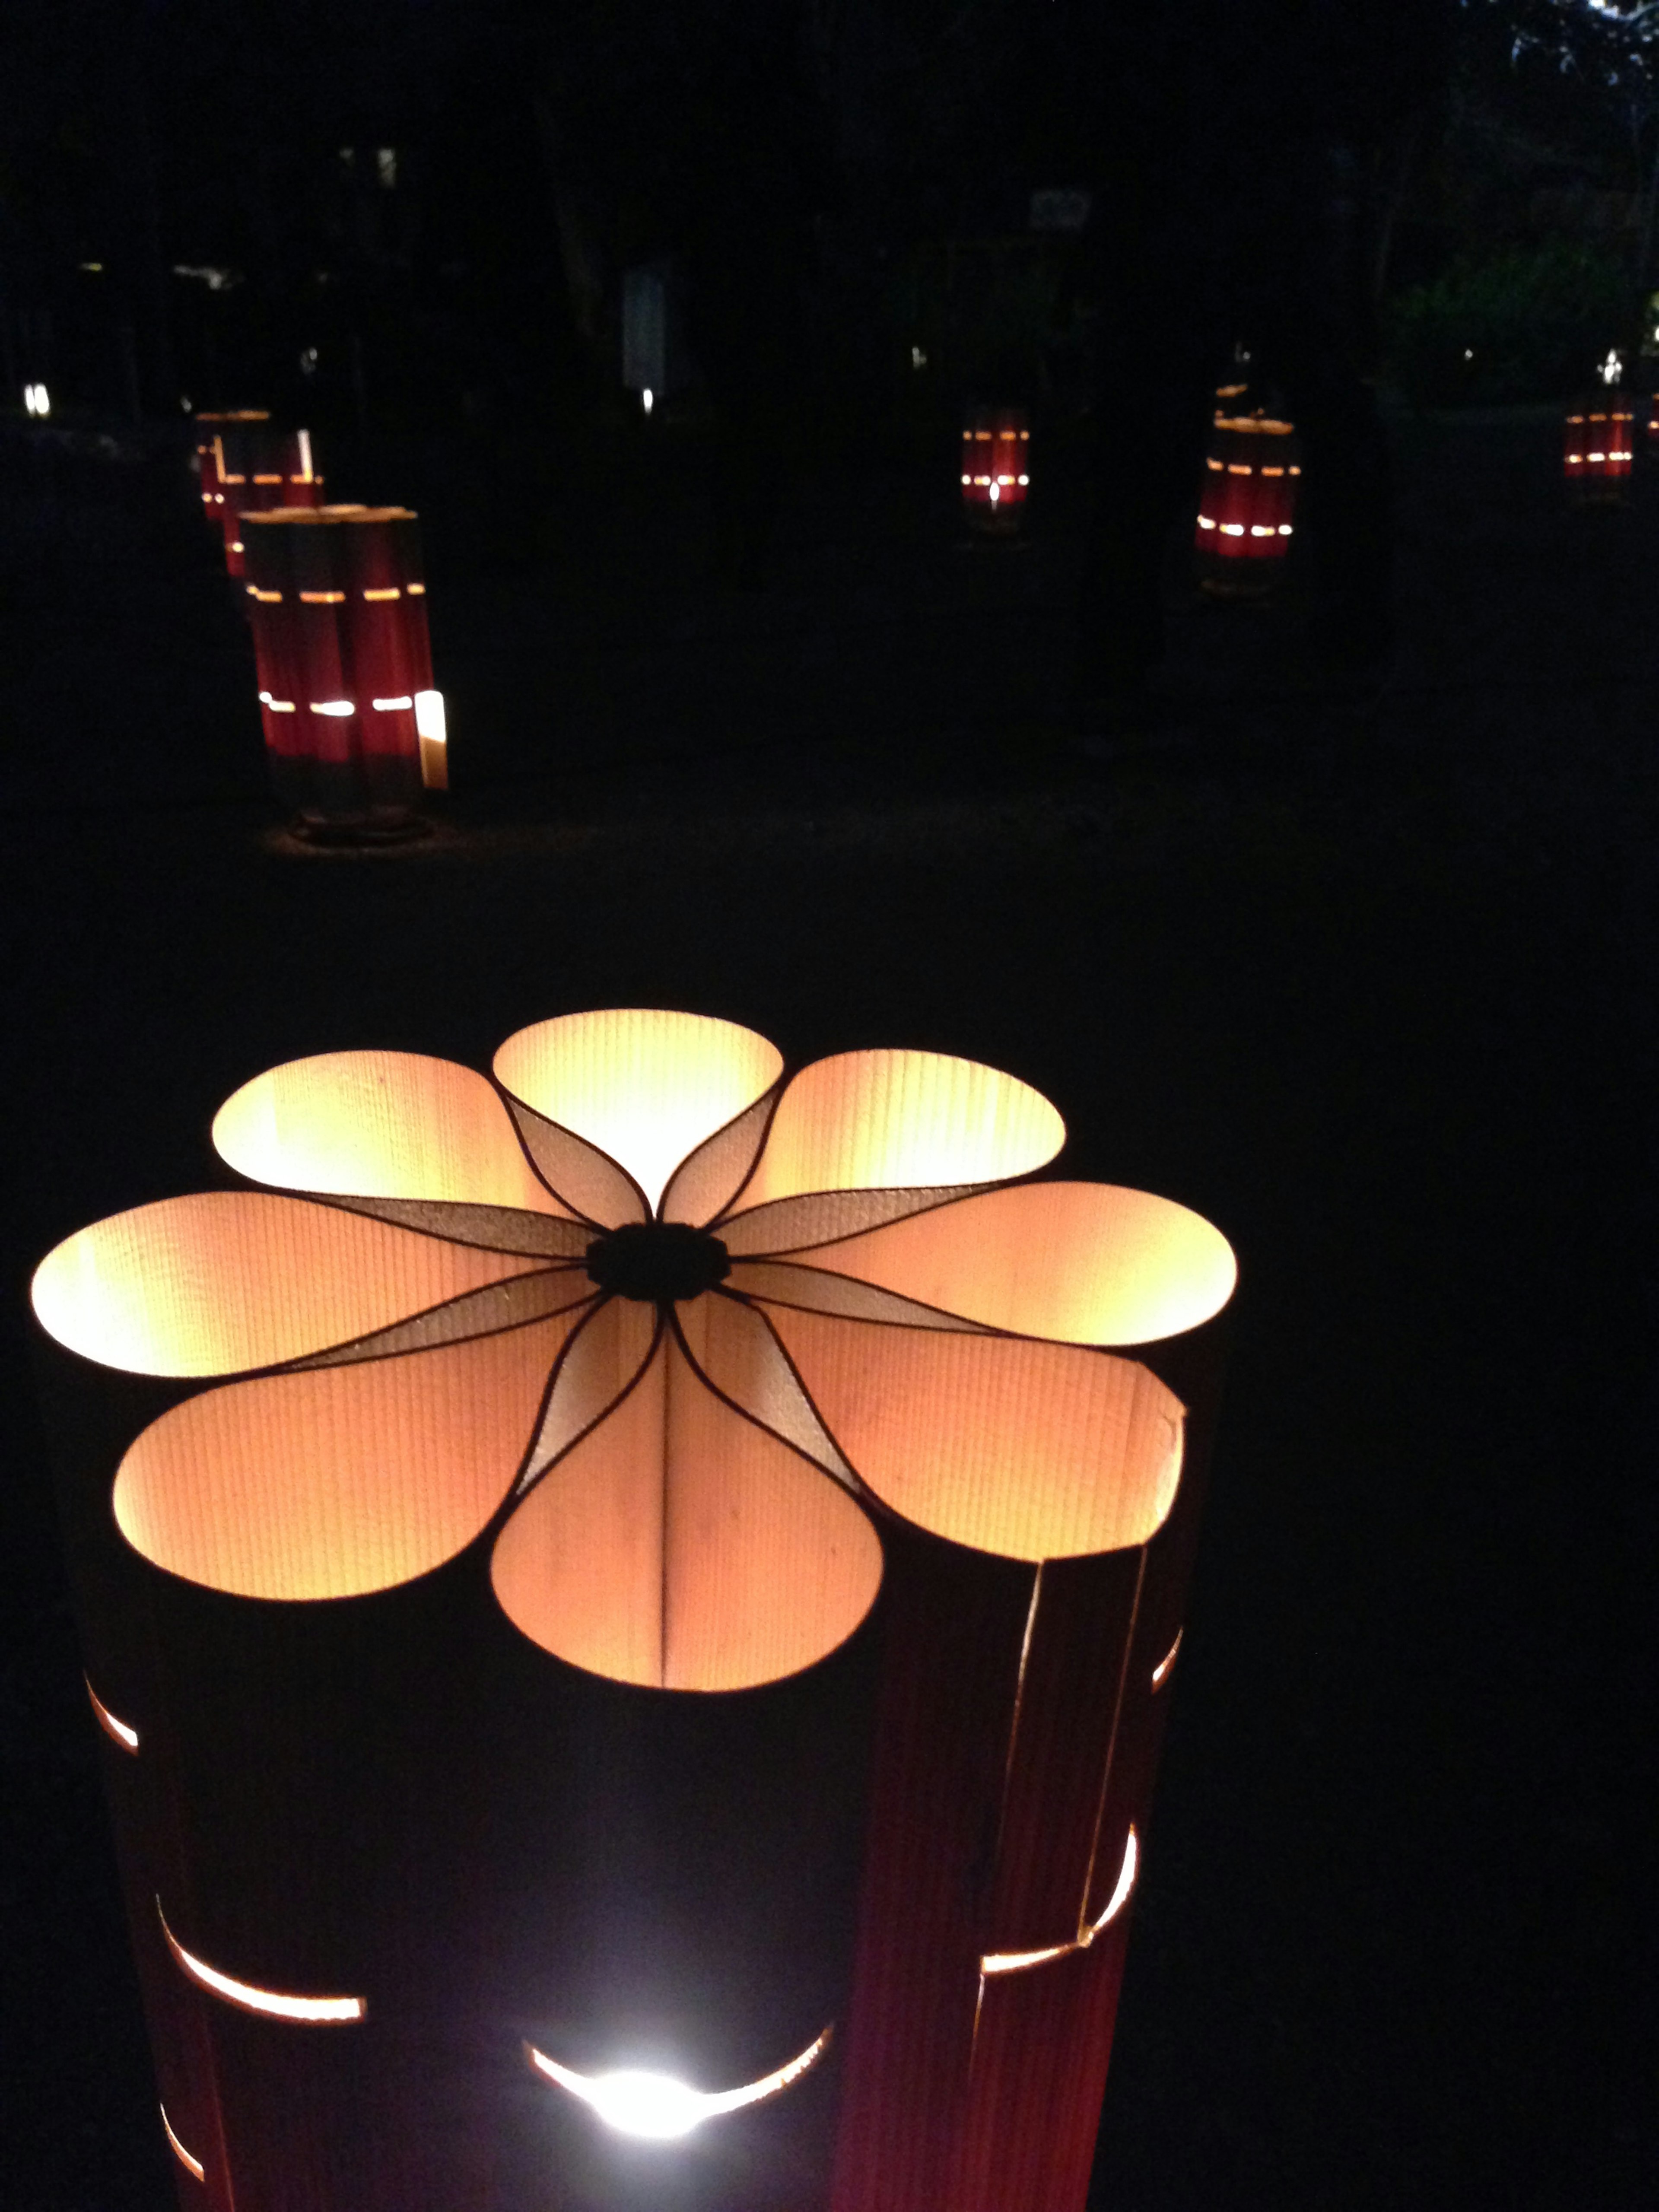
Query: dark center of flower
[[657, 1261]]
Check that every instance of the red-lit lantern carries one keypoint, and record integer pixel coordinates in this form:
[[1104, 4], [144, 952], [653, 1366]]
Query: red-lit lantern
[[260, 467], [996, 462], [353, 727], [208, 427], [1247, 510], [1598, 450], [479, 1518]]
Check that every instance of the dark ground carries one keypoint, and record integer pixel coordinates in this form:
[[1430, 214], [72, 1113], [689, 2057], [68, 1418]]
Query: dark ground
[[1363, 973]]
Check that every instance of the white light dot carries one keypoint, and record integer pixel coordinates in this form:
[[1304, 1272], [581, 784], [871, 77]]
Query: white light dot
[[650, 2104]]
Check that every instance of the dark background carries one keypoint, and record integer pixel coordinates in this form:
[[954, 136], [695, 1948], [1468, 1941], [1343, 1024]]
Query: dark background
[[1335, 921]]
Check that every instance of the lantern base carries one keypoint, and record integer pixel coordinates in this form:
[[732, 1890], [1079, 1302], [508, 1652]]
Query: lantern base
[[1256, 587], [379, 826], [1000, 524]]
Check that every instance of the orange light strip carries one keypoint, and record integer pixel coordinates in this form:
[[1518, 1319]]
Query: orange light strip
[[192, 2165], [415, 591], [117, 1731], [1016, 1962], [275, 2004], [1161, 1671], [322, 599], [394, 706], [393, 593], [266, 599]]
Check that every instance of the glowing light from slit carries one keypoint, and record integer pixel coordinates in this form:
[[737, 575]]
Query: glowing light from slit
[[193, 2165], [656, 2106], [117, 1731], [1161, 1671], [1016, 1962], [332, 707], [276, 2004]]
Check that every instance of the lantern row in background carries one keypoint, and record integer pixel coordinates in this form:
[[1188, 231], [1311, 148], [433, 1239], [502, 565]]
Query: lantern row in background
[[631, 1610], [1247, 510], [353, 728], [1598, 451], [256, 467], [996, 445]]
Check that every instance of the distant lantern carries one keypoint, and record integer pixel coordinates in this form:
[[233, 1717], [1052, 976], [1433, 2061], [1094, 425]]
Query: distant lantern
[[1247, 510], [208, 428], [260, 467], [1598, 449], [631, 1609], [353, 728], [996, 465]]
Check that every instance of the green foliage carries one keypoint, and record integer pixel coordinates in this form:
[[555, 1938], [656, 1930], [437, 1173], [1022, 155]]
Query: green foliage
[[1527, 324]]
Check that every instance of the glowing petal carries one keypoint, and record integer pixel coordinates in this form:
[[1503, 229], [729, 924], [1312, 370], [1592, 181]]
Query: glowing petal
[[681, 1547], [901, 1121], [1032, 1451], [581, 1177], [657, 2107], [225, 1281], [1076, 1263], [706, 1183], [598, 1365], [276, 2004], [733, 1348], [341, 1480], [646, 1087], [377, 1124]]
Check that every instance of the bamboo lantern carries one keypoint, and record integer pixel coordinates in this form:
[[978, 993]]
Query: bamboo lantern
[[208, 430], [631, 1607], [259, 467], [353, 728], [996, 454], [1246, 514], [1598, 450]]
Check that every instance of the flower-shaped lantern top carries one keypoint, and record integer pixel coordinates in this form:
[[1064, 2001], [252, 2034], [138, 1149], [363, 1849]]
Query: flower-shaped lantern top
[[681, 1330]]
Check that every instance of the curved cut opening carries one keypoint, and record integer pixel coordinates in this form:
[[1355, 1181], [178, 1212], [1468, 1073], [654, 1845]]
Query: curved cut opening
[[275, 2004], [645, 1086], [341, 1480], [680, 1546], [377, 1124], [899, 1121], [224, 1281], [117, 1731], [190, 2164], [1018, 1962], [1033, 1451], [659, 2108], [1075, 1262]]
